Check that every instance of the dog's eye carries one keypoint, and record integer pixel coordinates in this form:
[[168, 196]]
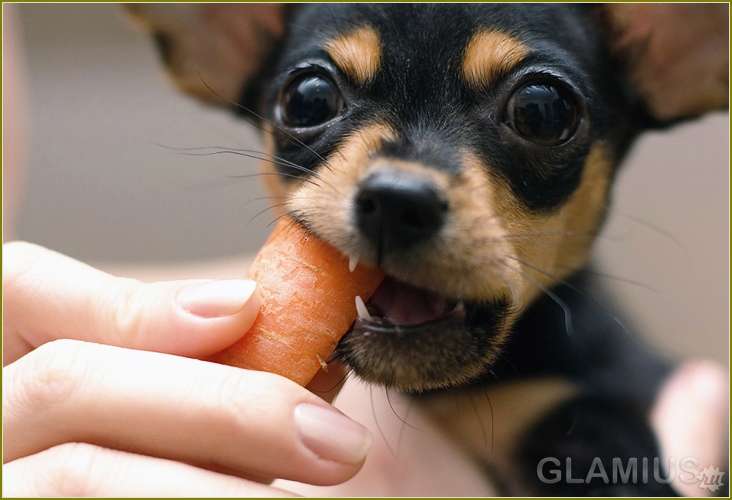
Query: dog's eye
[[310, 100], [543, 113]]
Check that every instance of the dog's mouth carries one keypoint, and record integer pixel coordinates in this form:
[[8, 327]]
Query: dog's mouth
[[416, 339], [397, 306]]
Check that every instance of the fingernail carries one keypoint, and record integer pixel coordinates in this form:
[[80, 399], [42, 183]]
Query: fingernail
[[217, 298], [331, 435]]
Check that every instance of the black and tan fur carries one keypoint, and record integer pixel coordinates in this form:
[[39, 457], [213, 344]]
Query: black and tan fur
[[426, 165]]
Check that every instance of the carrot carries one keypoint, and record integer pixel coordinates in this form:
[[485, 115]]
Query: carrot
[[308, 303]]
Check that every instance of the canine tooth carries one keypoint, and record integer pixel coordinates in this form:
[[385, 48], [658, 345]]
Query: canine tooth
[[352, 263], [363, 313]]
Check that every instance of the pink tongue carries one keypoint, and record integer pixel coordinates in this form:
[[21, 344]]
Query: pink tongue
[[402, 304]]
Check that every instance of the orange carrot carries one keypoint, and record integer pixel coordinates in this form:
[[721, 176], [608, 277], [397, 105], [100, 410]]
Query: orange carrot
[[308, 303]]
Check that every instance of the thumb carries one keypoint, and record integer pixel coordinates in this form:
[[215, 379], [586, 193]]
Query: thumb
[[49, 296]]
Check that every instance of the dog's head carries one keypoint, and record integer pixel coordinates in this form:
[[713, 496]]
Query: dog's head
[[465, 149]]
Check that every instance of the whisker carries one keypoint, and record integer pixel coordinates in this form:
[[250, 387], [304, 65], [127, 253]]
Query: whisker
[[276, 174], [486, 442], [565, 232], [569, 328], [265, 210], [651, 226], [250, 153], [620, 279], [341, 382], [378, 425], [603, 310], [290, 214], [336, 384], [241, 108], [533, 234], [396, 413], [250, 201], [266, 157], [311, 177]]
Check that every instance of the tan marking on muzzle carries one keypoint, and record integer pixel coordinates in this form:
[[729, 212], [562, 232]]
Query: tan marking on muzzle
[[326, 201], [357, 54], [550, 247], [458, 267], [490, 55]]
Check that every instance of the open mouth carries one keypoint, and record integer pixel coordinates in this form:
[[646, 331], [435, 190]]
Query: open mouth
[[415, 339], [398, 306]]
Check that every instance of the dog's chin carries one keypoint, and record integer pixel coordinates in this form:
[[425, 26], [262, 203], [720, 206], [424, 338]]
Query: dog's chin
[[416, 340]]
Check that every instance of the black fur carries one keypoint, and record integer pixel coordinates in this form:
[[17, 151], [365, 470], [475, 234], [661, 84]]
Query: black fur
[[443, 141], [436, 114], [445, 109]]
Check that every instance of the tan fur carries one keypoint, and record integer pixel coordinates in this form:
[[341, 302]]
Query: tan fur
[[273, 182], [551, 246], [467, 261], [490, 248], [357, 54], [326, 201], [490, 421], [489, 55]]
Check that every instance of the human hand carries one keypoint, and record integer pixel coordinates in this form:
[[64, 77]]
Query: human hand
[[101, 396], [691, 420]]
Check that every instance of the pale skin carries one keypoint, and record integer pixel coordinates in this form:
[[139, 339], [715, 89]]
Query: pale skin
[[103, 394]]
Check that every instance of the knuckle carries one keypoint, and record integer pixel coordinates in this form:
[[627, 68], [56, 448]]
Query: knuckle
[[69, 470], [50, 375], [127, 302], [18, 258], [243, 396]]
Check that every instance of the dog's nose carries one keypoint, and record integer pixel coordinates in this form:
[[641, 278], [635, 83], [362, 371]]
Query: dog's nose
[[396, 209]]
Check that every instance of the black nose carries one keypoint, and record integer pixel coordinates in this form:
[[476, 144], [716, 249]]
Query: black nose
[[396, 209]]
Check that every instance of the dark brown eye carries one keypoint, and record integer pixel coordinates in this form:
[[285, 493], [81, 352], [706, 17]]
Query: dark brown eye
[[310, 100], [543, 113]]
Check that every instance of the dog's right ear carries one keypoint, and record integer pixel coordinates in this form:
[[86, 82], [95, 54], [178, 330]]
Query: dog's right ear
[[212, 50]]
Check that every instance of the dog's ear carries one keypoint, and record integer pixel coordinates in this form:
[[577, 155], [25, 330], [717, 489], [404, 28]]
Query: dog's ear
[[676, 55], [212, 50]]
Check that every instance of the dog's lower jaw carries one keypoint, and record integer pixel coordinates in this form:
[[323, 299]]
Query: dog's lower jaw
[[440, 354]]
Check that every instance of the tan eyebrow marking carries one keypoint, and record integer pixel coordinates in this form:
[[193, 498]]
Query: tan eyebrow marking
[[489, 55], [357, 54]]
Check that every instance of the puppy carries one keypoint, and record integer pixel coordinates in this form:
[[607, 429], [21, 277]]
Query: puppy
[[468, 150]]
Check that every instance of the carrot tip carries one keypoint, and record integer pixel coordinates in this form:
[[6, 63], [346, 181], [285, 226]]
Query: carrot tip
[[307, 288], [323, 363]]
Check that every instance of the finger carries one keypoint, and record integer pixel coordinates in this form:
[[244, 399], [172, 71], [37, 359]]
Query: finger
[[48, 296], [84, 470], [176, 408], [690, 418]]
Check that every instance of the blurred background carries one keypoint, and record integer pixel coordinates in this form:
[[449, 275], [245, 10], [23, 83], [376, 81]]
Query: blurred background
[[111, 180]]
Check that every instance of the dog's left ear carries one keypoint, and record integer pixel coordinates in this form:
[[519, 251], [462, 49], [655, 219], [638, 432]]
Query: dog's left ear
[[676, 55], [212, 50]]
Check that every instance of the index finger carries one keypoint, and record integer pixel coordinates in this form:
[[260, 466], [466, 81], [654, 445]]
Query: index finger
[[48, 296]]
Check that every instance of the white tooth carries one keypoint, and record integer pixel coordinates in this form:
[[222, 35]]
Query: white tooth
[[352, 263], [363, 313]]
